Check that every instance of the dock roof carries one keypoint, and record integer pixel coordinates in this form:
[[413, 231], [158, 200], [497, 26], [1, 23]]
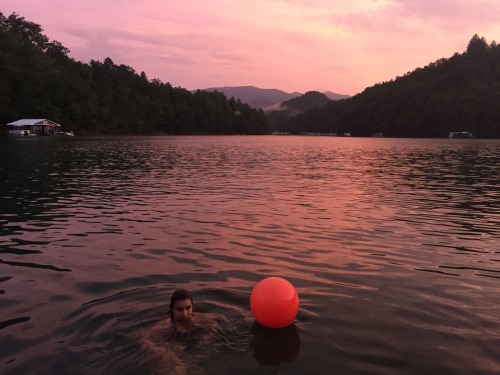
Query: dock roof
[[34, 121]]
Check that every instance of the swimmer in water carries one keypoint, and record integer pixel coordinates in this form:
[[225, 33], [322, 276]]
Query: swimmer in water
[[178, 340], [181, 311]]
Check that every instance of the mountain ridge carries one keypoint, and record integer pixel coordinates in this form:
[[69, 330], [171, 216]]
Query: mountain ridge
[[257, 97]]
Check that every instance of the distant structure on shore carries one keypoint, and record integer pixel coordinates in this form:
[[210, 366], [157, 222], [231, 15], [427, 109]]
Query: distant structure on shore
[[460, 135], [28, 127]]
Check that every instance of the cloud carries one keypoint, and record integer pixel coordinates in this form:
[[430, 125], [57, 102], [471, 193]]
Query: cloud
[[451, 10], [295, 45]]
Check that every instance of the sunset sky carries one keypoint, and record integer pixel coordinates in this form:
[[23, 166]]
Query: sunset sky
[[291, 45]]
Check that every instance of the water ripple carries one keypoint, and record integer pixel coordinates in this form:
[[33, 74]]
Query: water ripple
[[391, 244]]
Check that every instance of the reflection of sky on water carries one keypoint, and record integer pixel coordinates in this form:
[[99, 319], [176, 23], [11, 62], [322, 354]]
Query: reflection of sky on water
[[382, 238]]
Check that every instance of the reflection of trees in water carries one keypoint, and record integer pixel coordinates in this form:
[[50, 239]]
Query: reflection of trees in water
[[458, 184], [449, 183], [33, 171]]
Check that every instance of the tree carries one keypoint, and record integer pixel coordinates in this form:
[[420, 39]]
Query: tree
[[38, 79], [30, 32], [56, 49], [477, 45]]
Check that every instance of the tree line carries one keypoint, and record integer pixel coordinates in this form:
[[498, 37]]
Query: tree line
[[461, 93], [39, 80]]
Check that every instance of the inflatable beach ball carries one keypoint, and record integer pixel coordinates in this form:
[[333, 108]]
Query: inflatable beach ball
[[274, 302]]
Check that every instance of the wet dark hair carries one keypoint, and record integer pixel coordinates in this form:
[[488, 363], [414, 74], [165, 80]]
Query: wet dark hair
[[178, 295]]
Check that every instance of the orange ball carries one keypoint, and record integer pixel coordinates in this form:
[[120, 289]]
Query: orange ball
[[274, 302]]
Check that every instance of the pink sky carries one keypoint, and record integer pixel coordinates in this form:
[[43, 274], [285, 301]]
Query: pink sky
[[291, 45]]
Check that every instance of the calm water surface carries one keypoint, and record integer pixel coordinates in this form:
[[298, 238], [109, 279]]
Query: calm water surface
[[392, 244]]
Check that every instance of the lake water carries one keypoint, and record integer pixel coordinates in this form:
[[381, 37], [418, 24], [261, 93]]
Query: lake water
[[393, 246]]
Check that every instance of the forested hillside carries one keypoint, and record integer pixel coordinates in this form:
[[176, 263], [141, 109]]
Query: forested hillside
[[461, 93], [292, 107], [39, 80], [310, 100]]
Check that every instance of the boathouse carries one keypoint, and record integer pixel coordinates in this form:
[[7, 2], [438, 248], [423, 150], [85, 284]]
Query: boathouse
[[30, 126], [460, 135]]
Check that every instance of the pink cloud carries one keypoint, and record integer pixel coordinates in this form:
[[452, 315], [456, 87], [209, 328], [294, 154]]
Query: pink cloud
[[293, 45]]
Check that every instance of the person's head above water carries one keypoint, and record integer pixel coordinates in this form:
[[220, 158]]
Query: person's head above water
[[181, 308]]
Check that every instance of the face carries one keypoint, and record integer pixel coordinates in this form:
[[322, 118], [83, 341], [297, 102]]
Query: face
[[183, 310]]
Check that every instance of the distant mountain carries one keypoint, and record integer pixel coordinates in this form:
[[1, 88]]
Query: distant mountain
[[254, 96], [264, 98]]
